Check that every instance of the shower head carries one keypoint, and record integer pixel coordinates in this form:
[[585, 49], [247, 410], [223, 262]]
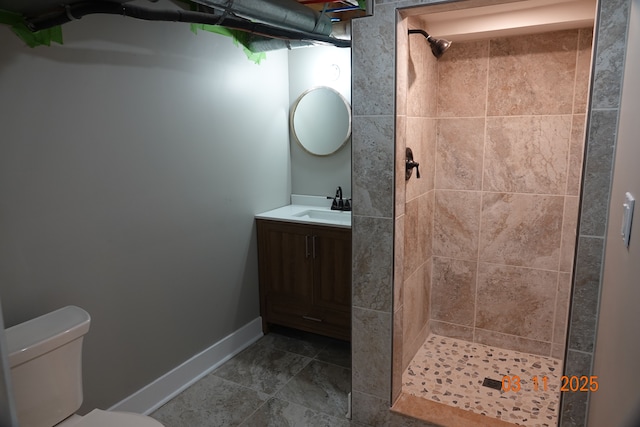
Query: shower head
[[438, 46]]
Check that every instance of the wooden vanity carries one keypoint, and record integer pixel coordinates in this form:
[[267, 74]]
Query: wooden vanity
[[305, 276]]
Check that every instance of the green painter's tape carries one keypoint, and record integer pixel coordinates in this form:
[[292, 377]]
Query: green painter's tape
[[32, 39], [238, 37]]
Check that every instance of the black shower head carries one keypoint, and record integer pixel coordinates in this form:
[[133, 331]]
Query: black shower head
[[438, 46]]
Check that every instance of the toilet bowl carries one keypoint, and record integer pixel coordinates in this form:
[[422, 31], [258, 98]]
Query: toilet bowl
[[45, 357]]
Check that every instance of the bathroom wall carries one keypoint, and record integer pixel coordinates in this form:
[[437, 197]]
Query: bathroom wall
[[416, 129], [510, 138], [374, 112], [451, 277], [311, 67], [7, 405], [132, 161], [617, 349]]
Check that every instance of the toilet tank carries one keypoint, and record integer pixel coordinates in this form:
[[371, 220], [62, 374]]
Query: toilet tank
[[45, 357]]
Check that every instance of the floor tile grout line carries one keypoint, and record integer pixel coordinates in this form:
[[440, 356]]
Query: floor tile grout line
[[332, 364], [275, 394], [243, 422], [298, 373], [254, 361]]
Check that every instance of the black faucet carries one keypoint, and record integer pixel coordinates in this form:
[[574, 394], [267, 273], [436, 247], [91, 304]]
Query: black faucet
[[340, 204]]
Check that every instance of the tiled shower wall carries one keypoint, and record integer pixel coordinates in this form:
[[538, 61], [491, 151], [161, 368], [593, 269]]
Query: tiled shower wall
[[414, 202], [510, 138], [373, 165], [450, 277]]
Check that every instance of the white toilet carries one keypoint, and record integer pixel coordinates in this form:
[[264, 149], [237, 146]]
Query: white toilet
[[45, 356]]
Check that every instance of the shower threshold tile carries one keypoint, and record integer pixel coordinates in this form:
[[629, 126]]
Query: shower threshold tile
[[451, 371]]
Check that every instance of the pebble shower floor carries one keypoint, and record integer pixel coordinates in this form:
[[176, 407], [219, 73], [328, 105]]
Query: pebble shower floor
[[451, 371]]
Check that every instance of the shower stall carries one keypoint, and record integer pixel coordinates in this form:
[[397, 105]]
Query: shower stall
[[485, 238]]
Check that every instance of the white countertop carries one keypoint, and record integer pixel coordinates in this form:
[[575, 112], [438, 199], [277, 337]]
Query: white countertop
[[309, 210]]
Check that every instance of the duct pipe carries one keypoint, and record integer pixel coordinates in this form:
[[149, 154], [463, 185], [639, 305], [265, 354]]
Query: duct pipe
[[78, 10], [280, 13]]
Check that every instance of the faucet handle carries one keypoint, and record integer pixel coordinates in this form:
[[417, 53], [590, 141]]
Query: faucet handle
[[334, 204], [410, 164]]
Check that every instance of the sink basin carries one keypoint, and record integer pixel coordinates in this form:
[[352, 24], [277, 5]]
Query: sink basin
[[324, 215], [314, 211]]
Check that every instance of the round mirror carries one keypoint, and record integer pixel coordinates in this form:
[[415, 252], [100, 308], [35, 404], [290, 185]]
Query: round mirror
[[321, 121]]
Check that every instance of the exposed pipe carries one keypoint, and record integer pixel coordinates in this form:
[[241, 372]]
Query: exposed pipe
[[78, 10], [280, 13]]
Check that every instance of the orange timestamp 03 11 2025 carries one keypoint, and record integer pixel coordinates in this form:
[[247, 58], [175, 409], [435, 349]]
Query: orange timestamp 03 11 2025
[[570, 383]]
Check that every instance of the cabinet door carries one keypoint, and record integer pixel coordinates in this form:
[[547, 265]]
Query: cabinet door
[[332, 278], [286, 272]]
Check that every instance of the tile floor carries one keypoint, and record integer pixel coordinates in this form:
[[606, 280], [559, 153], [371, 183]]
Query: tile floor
[[452, 371], [287, 378]]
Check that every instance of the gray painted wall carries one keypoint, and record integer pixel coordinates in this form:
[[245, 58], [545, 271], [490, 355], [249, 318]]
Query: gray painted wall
[[7, 405], [310, 67], [617, 349], [132, 161]]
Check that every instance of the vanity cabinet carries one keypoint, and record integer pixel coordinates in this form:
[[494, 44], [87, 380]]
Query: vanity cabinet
[[305, 277]]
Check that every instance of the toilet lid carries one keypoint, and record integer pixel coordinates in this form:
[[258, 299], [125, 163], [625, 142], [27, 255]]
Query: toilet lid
[[99, 418]]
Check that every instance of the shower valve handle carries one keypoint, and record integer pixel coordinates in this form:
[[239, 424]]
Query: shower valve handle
[[410, 164]]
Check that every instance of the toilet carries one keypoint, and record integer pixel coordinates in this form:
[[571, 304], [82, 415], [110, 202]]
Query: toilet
[[45, 357]]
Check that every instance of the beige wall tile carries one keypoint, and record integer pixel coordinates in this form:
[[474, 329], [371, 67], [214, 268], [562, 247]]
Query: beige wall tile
[[413, 251], [416, 303], [417, 231], [422, 79], [453, 291], [527, 154], [532, 74], [421, 138], [425, 226], [398, 262], [459, 152], [465, 65], [451, 330], [583, 70], [521, 229], [569, 231], [402, 64], [397, 355], [576, 154], [557, 351], [512, 342], [400, 155], [516, 301], [456, 222], [562, 308]]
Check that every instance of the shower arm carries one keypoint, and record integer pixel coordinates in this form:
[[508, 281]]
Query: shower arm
[[438, 46], [423, 32]]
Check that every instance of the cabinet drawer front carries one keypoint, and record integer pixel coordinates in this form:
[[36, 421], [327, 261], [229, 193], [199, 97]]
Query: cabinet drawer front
[[287, 314], [332, 323], [336, 320]]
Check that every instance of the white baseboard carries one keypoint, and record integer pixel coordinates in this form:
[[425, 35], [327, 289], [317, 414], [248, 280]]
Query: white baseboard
[[152, 396]]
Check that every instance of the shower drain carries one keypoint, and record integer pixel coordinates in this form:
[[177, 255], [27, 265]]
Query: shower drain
[[491, 383]]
